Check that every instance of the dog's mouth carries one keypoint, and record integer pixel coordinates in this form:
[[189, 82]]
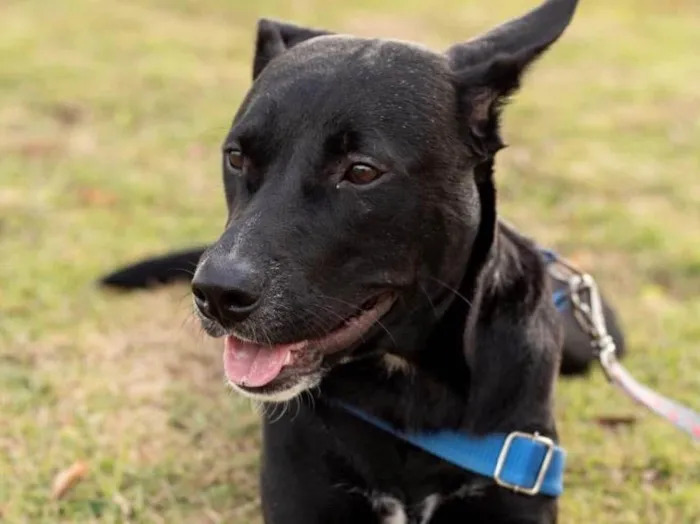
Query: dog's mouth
[[254, 366]]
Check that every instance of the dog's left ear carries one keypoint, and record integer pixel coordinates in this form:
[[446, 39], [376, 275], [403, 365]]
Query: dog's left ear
[[274, 38], [488, 68]]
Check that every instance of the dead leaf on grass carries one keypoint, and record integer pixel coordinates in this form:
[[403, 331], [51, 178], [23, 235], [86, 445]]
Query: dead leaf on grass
[[92, 196], [615, 421], [66, 479], [67, 113]]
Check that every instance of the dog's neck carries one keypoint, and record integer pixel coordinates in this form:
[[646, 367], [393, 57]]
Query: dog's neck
[[461, 304], [484, 257], [444, 367]]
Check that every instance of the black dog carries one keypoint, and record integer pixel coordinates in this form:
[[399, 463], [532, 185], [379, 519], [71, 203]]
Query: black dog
[[363, 262]]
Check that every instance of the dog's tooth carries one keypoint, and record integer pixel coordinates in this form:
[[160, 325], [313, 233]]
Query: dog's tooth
[[288, 360]]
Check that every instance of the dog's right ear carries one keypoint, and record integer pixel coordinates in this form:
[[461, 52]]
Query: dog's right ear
[[488, 68], [274, 38]]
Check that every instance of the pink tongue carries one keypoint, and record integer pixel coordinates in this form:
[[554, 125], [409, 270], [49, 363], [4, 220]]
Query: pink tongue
[[252, 365]]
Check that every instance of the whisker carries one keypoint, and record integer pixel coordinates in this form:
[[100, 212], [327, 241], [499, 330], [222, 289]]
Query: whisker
[[357, 309], [298, 401], [312, 400], [453, 290], [283, 406], [341, 318], [430, 301]]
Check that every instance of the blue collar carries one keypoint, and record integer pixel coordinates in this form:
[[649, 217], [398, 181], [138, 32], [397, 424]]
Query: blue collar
[[521, 462]]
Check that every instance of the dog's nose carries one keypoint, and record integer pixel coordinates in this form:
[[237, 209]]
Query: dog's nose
[[227, 291]]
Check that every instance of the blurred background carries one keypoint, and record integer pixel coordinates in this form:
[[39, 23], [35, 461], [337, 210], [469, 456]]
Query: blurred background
[[111, 117]]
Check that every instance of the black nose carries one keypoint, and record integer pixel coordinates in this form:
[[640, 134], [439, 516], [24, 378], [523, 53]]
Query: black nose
[[226, 290]]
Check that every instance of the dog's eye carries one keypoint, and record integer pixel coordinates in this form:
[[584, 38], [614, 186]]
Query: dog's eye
[[235, 159], [360, 174]]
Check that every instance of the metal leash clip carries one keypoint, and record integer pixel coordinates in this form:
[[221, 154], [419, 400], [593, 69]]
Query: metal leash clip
[[588, 311], [591, 317]]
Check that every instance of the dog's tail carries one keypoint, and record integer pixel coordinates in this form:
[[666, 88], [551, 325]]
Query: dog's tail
[[172, 267]]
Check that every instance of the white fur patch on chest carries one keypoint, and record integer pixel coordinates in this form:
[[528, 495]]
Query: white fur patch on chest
[[390, 510], [430, 504], [393, 511], [396, 364]]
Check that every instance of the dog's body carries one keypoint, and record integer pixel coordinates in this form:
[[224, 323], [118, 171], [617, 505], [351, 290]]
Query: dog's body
[[363, 262], [325, 465]]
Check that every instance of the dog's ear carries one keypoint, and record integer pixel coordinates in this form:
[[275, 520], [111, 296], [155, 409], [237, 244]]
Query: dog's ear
[[488, 68], [274, 38]]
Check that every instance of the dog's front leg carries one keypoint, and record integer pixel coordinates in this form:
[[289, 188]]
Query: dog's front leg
[[303, 481]]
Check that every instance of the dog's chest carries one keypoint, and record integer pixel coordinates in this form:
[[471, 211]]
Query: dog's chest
[[394, 511]]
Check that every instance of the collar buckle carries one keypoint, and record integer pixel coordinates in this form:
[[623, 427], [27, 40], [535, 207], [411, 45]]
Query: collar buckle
[[544, 466]]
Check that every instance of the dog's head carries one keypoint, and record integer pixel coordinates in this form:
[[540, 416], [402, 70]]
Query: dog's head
[[351, 174]]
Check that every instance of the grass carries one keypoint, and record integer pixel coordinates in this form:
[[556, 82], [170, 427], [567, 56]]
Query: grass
[[111, 115]]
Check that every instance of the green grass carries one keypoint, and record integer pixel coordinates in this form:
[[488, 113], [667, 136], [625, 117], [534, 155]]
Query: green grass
[[111, 114]]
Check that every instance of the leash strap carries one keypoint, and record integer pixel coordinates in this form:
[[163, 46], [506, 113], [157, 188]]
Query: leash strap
[[588, 310], [526, 463]]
